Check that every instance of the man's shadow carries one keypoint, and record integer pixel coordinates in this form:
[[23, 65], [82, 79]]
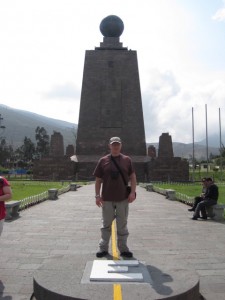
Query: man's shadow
[[158, 277], [2, 287]]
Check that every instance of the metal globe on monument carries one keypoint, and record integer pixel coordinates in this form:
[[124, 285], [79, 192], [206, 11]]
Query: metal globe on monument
[[111, 26]]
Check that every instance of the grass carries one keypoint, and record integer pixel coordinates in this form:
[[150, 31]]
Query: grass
[[192, 189], [24, 189]]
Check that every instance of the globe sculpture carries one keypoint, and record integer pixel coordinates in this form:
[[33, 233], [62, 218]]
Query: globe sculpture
[[111, 26]]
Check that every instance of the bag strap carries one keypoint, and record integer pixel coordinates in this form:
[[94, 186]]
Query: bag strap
[[117, 166]]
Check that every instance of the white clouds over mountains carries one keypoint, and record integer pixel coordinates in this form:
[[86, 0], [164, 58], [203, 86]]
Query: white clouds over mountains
[[180, 46]]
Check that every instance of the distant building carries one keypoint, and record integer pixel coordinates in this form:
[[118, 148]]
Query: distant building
[[56, 166], [166, 167]]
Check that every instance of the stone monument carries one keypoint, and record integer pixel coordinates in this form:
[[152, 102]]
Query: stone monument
[[56, 166], [110, 102], [166, 167]]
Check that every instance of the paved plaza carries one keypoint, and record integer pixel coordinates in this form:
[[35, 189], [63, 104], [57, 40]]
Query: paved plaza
[[161, 232]]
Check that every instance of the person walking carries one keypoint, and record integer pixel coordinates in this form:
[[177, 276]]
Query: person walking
[[210, 198], [5, 194], [113, 172]]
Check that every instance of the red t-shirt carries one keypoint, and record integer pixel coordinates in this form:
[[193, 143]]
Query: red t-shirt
[[2, 203], [114, 189]]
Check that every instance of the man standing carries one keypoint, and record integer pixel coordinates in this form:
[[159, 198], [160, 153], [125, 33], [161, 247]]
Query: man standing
[[5, 194], [113, 172], [210, 198]]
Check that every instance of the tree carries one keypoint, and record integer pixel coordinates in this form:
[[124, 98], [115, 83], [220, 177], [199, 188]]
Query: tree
[[26, 151], [6, 152], [42, 139]]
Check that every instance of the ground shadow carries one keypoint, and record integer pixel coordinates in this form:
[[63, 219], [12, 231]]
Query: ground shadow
[[159, 280], [2, 287], [155, 277]]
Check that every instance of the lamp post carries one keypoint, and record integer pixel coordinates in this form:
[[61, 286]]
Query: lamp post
[[207, 145], [2, 128], [220, 145], [193, 144]]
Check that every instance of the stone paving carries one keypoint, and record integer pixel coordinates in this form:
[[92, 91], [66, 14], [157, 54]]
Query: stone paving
[[161, 232]]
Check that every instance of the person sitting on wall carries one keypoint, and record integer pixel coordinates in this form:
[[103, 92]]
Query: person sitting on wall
[[198, 199], [210, 199]]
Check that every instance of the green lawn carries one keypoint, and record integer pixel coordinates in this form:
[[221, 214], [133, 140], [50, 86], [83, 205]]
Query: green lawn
[[192, 189], [23, 189]]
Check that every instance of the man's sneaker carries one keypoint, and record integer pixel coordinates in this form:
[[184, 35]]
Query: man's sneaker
[[191, 209], [101, 254], [127, 254], [194, 218]]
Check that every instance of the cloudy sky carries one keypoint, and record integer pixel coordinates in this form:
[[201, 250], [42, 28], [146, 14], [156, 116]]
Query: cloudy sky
[[181, 56]]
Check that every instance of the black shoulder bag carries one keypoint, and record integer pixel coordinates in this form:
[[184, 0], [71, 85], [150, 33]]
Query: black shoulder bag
[[128, 188]]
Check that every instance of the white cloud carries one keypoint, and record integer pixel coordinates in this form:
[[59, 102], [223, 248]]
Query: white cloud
[[220, 14], [181, 58], [65, 91]]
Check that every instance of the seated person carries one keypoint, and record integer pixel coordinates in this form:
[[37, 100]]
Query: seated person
[[210, 198], [201, 197]]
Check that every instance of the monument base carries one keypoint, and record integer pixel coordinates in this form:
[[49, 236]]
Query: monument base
[[69, 278]]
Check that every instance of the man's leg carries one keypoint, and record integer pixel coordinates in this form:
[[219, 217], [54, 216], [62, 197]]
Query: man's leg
[[108, 215], [197, 210], [197, 200], [1, 225], [207, 203], [201, 207], [122, 209]]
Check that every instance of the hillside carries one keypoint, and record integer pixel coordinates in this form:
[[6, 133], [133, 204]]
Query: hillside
[[20, 123], [186, 150]]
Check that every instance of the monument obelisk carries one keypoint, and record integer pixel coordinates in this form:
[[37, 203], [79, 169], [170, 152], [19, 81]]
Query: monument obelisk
[[110, 100]]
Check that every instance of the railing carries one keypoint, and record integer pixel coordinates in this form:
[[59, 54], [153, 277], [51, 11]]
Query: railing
[[64, 190], [32, 200], [179, 196], [159, 190], [184, 198]]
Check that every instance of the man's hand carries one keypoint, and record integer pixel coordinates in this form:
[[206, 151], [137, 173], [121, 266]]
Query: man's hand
[[131, 197], [99, 202]]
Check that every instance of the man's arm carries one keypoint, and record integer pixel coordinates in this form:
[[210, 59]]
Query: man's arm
[[133, 183], [98, 198]]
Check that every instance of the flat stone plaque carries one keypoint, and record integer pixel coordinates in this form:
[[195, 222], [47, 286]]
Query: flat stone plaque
[[117, 269], [129, 263], [101, 271]]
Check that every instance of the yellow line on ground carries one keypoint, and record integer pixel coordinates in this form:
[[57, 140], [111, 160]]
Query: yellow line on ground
[[114, 246], [117, 290], [117, 295]]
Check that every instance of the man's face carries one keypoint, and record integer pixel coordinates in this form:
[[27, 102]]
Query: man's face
[[115, 148], [208, 183]]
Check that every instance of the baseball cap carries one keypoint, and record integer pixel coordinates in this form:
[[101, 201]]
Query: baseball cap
[[115, 139]]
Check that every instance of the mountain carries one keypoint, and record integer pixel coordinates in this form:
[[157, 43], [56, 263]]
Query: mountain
[[213, 140], [20, 123], [186, 150]]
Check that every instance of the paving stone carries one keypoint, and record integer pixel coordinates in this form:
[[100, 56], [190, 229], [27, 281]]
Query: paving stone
[[161, 233]]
